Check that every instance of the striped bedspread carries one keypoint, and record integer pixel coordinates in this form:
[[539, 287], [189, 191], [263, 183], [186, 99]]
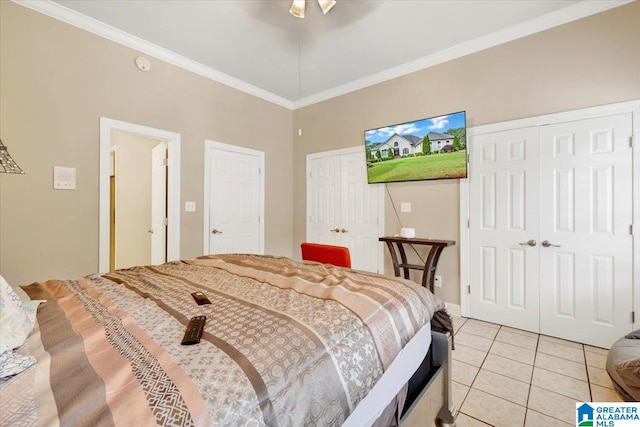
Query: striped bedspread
[[285, 344]]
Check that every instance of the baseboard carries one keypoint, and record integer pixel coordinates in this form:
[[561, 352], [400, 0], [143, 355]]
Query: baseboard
[[454, 309]]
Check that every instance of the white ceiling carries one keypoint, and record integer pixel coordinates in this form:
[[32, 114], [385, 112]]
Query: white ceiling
[[293, 61]]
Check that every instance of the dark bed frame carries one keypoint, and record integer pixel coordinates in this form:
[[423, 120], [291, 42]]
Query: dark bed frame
[[429, 390]]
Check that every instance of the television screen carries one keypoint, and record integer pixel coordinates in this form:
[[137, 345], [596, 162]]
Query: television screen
[[433, 148]]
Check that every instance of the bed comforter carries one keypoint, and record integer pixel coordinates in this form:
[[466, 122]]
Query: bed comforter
[[285, 343]]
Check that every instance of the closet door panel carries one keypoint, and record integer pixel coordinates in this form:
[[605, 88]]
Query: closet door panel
[[504, 228], [586, 266]]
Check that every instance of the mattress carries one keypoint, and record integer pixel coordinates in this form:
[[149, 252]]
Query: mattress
[[285, 343]]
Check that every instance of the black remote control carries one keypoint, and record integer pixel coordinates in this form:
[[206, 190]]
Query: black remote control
[[200, 298], [194, 330]]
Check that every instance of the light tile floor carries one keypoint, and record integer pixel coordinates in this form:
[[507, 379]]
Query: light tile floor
[[508, 377]]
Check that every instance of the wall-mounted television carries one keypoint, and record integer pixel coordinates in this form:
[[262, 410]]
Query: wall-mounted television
[[432, 148]]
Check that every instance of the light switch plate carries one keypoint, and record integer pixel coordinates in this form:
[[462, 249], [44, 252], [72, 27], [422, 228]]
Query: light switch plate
[[189, 206], [64, 178], [405, 207]]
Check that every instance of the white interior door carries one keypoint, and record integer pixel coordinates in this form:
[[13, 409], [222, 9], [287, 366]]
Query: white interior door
[[586, 213], [503, 258], [342, 208], [235, 201], [158, 228]]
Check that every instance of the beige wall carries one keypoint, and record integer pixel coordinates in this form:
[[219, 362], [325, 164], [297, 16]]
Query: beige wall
[[56, 81], [133, 198], [593, 61]]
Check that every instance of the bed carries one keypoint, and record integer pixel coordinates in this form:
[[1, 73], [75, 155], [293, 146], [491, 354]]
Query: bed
[[285, 343]]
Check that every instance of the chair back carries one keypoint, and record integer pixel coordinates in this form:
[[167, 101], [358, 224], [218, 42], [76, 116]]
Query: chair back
[[326, 254]]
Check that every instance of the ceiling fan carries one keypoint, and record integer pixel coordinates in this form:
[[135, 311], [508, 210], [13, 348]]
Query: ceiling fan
[[297, 7]]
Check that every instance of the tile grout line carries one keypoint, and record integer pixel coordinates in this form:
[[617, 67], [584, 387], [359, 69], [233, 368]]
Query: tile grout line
[[475, 376], [535, 356], [542, 388], [586, 368]]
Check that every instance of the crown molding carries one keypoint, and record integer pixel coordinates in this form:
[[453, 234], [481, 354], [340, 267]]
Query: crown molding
[[577, 11], [69, 16], [545, 22]]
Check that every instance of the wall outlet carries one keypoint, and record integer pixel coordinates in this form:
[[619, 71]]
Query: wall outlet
[[189, 206], [437, 282], [405, 207]]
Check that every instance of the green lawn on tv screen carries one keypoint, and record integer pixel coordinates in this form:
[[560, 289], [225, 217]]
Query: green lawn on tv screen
[[444, 165]]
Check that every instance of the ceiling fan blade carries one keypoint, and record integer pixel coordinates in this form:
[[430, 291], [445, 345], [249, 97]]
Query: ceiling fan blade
[[326, 5], [297, 8]]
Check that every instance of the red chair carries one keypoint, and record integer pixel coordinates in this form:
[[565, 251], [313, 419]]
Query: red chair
[[326, 254]]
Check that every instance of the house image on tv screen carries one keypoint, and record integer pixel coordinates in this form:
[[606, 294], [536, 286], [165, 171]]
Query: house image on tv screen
[[403, 145], [433, 148]]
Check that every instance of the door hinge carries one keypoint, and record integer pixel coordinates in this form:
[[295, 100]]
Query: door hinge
[[631, 141], [258, 218], [469, 289], [165, 162], [633, 317], [468, 223], [310, 174], [165, 221], [631, 229], [259, 171]]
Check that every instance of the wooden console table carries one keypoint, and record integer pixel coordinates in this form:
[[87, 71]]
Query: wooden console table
[[429, 267]]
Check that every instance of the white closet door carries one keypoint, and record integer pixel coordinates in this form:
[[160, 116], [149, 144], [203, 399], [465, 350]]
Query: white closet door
[[324, 201], [503, 257], [342, 208], [586, 212], [359, 213]]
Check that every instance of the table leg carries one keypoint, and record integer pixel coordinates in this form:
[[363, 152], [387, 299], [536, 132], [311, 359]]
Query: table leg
[[429, 273], [394, 258], [403, 256]]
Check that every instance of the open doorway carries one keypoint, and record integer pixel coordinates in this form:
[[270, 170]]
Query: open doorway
[[139, 195], [138, 185]]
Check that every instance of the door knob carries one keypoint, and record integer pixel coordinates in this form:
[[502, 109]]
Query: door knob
[[344, 231], [215, 231], [547, 243], [335, 230], [529, 243]]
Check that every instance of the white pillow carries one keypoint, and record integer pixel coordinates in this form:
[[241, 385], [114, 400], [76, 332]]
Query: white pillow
[[12, 363], [20, 292], [13, 320], [16, 322]]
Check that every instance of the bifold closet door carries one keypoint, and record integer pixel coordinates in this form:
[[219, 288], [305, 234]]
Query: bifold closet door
[[586, 250]]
